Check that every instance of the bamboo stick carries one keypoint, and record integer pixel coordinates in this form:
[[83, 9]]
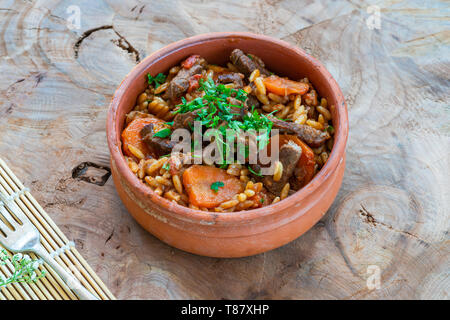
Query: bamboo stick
[[46, 281], [30, 293], [7, 294], [15, 289], [47, 240], [51, 286]]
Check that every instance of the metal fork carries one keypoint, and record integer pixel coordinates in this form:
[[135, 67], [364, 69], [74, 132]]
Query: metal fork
[[26, 238]]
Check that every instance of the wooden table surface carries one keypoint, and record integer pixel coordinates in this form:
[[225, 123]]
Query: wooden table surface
[[391, 214]]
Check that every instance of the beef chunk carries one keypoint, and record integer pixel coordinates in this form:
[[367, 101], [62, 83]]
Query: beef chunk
[[236, 110], [245, 64], [295, 182], [180, 83], [256, 168], [160, 146], [252, 101], [257, 60], [231, 77], [289, 155], [313, 137], [184, 120]]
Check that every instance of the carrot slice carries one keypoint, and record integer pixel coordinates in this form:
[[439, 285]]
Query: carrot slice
[[131, 135], [284, 87], [197, 181]]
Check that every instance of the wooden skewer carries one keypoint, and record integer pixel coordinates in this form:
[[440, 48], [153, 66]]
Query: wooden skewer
[[52, 239]]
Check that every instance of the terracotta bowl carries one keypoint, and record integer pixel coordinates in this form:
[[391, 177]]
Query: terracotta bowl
[[236, 234]]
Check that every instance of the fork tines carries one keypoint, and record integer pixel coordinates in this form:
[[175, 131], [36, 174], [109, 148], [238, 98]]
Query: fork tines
[[13, 216]]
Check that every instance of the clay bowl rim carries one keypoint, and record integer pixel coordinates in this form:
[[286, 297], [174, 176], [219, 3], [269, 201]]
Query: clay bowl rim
[[198, 216]]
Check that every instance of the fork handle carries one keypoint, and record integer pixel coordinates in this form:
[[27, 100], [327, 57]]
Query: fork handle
[[70, 280]]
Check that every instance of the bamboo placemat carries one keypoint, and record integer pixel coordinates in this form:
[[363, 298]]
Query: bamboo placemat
[[50, 287]]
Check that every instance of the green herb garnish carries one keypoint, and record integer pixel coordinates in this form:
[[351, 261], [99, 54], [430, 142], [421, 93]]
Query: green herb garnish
[[214, 111], [164, 133], [216, 185], [24, 268], [166, 166], [254, 172], [330, 128], [166, 155], [158, 80], [262, 200]]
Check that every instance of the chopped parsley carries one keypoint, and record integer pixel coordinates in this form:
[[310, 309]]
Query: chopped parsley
[[164, 133], [216, 185], [330, 129], [158, 80], [254, 172], [166, 166], [214, 111]]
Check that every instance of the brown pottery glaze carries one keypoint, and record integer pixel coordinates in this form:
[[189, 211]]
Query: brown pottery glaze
[[235, 234]]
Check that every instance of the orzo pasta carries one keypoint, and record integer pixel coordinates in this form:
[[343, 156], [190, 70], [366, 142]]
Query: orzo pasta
[[241, 97]]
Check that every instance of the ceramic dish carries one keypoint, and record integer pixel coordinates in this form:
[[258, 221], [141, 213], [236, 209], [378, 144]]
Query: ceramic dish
[[241, 233]]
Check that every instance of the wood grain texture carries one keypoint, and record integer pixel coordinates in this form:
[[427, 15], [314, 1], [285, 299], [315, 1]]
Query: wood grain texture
[[392, 209]]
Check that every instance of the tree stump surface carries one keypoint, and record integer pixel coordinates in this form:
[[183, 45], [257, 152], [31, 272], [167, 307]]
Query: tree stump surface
[[391, 214]]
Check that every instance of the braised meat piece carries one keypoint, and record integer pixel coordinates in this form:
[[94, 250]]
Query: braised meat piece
[[180, 83], [231, 77], [257, 60], [296, 182], [240, 111], [245, 64], [184, 120], [252, 101], [160, 146], [289, 155], [313, 137]]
